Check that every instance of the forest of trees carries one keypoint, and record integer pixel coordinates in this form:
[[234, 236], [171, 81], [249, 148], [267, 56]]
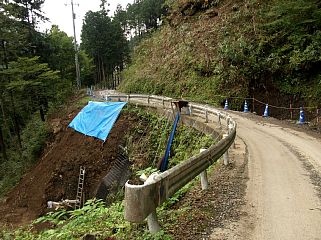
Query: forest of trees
[[36, 74], [280, 50], [37, 69], [108, 39], [205, 48]]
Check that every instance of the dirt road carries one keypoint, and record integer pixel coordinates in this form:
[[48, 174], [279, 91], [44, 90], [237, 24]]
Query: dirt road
[[284, 187]]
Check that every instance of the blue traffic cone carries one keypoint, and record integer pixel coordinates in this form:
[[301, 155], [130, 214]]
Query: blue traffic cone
[[226, 105], [246, 108], [301, 119], [266, 111]]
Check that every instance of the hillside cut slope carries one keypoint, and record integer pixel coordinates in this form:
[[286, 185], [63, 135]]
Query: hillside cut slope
[[269, 50]]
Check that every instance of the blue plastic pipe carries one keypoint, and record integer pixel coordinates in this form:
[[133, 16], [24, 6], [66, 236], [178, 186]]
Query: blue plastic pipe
[[164, 164]]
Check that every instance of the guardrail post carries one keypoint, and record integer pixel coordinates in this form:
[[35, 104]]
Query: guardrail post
[[225, 155], [206, 116], [128, 98], [203, 176], [153, 224], [190, 110], [219, 118], [230, 128], [148, 99]]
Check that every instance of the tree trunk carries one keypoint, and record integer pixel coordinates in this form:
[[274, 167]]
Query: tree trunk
[[5, 122], [97, 71], [42, 114], [15, 121], [3, 146], [5, 54], [103, 71]]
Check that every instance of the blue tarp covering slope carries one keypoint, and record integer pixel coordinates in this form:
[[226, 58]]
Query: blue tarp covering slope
[[97, 118]]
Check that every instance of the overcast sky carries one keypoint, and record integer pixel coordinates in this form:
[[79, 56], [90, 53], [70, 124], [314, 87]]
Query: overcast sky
[[59, 13]]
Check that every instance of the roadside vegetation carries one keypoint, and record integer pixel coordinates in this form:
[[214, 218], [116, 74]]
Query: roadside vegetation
[[269, 50], [37, 70], [203, 50], [103, 222]]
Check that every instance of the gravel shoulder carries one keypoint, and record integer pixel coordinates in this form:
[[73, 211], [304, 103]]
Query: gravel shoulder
[[219, 206]]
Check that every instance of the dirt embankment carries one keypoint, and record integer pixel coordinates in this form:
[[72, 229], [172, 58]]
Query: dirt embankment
[[55, 176]]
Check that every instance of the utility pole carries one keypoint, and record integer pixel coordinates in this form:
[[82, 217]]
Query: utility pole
[[76, 48]]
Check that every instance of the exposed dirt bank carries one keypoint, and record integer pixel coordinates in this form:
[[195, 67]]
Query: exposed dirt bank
[[55, 176]]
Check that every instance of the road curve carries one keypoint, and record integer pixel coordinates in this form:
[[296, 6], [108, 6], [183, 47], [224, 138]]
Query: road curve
[[283, 191], [284, 187]]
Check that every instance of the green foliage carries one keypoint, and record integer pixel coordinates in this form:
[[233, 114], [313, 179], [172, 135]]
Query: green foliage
[[29, 11], [147, 171], [58, 51], [144, 14], [187, 143], [251, 46], [29, 90], [104, 40], [177, 196], [139, 17], [87, 68], [28, 72], [153, 132], [18, 36], [11, 171], [148, 146], [171, 70], [291, 44], [29, 85], [34, 137], [93, 218]]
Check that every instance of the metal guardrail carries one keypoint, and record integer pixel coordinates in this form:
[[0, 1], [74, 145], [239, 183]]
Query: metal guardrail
[[141, 201]]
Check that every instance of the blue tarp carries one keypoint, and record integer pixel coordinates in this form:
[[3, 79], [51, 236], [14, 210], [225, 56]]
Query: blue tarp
[[97, 118]]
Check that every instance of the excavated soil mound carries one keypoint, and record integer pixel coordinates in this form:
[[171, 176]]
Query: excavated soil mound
[[55, 176]]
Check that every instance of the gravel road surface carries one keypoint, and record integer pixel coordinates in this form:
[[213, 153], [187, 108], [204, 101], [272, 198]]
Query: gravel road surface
[[284, 187]]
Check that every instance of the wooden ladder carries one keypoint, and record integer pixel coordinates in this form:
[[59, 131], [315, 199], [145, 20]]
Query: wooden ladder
[[80, 187]]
